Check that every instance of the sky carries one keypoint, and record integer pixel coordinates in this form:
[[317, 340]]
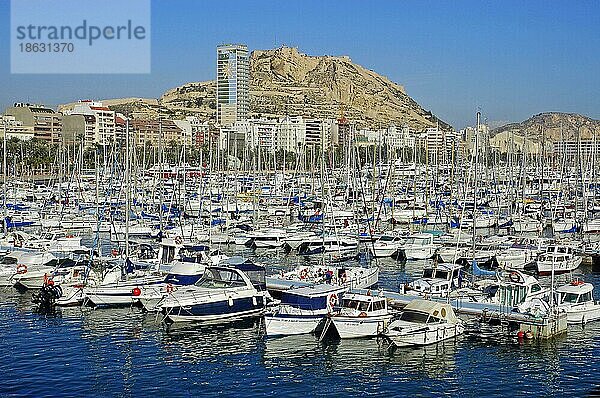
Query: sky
[[509, 59]]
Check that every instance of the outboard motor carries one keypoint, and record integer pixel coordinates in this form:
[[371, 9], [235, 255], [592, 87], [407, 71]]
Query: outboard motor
[[45, 300]]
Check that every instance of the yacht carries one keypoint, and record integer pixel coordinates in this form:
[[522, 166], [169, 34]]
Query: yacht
[[222, 295]]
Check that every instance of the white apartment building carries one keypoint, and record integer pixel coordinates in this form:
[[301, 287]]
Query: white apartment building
[[291, 134], [102, 128]]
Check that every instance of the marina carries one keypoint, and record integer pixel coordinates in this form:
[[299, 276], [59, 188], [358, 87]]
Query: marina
[[311, 264], [299, 199]]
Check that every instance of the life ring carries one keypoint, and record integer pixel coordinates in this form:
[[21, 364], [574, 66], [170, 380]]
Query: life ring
[[577, 282], [114, 252], [170, 288], [514, 277], [333, 300], [304, 274], [178, 240], [18, 243], [21, 269]]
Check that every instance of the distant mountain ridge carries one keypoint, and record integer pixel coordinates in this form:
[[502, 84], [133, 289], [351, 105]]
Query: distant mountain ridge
[[554, 125]]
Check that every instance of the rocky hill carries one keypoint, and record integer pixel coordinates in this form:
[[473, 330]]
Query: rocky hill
[[287, 82], [554, 126]]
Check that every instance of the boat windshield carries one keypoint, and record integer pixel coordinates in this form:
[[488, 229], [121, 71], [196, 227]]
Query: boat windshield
[[356, 305], [441, 274], [570, 298], [414, 316], [218, 278], [417, 241]]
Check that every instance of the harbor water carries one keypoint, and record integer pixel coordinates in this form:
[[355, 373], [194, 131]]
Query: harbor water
[[124, 353]]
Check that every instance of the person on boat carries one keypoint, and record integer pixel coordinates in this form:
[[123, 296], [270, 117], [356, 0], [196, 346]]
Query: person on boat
[[328, 276]]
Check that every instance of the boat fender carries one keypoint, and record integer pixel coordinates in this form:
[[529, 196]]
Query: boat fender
[[254, 302], [136, 291], [230, 301]]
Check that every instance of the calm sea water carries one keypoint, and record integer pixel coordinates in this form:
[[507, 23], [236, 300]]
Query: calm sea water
[[124, 353]]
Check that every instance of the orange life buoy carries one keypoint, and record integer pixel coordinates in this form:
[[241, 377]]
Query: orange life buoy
[[514, 276]]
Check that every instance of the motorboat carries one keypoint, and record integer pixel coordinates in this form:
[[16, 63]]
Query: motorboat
[[437, 280], [30, 267], [386, 246], [419, 246], [182, 273], [267, 238], [558, 259], [348, 277], [424, 322], [186, 274], [222, 295], [361, 315], [515, 288], [303, 309], [577, 300], [523, 223], [341, 246]]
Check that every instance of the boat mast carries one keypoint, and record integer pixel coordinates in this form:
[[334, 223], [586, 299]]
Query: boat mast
[[4, 226], [475, 182], [127, 192]]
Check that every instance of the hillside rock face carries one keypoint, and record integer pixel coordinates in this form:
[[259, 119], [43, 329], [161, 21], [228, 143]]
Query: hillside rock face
[[285, 81], [554, 125]]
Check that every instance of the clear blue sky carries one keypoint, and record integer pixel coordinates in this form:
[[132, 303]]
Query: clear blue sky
[[510, 58]]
